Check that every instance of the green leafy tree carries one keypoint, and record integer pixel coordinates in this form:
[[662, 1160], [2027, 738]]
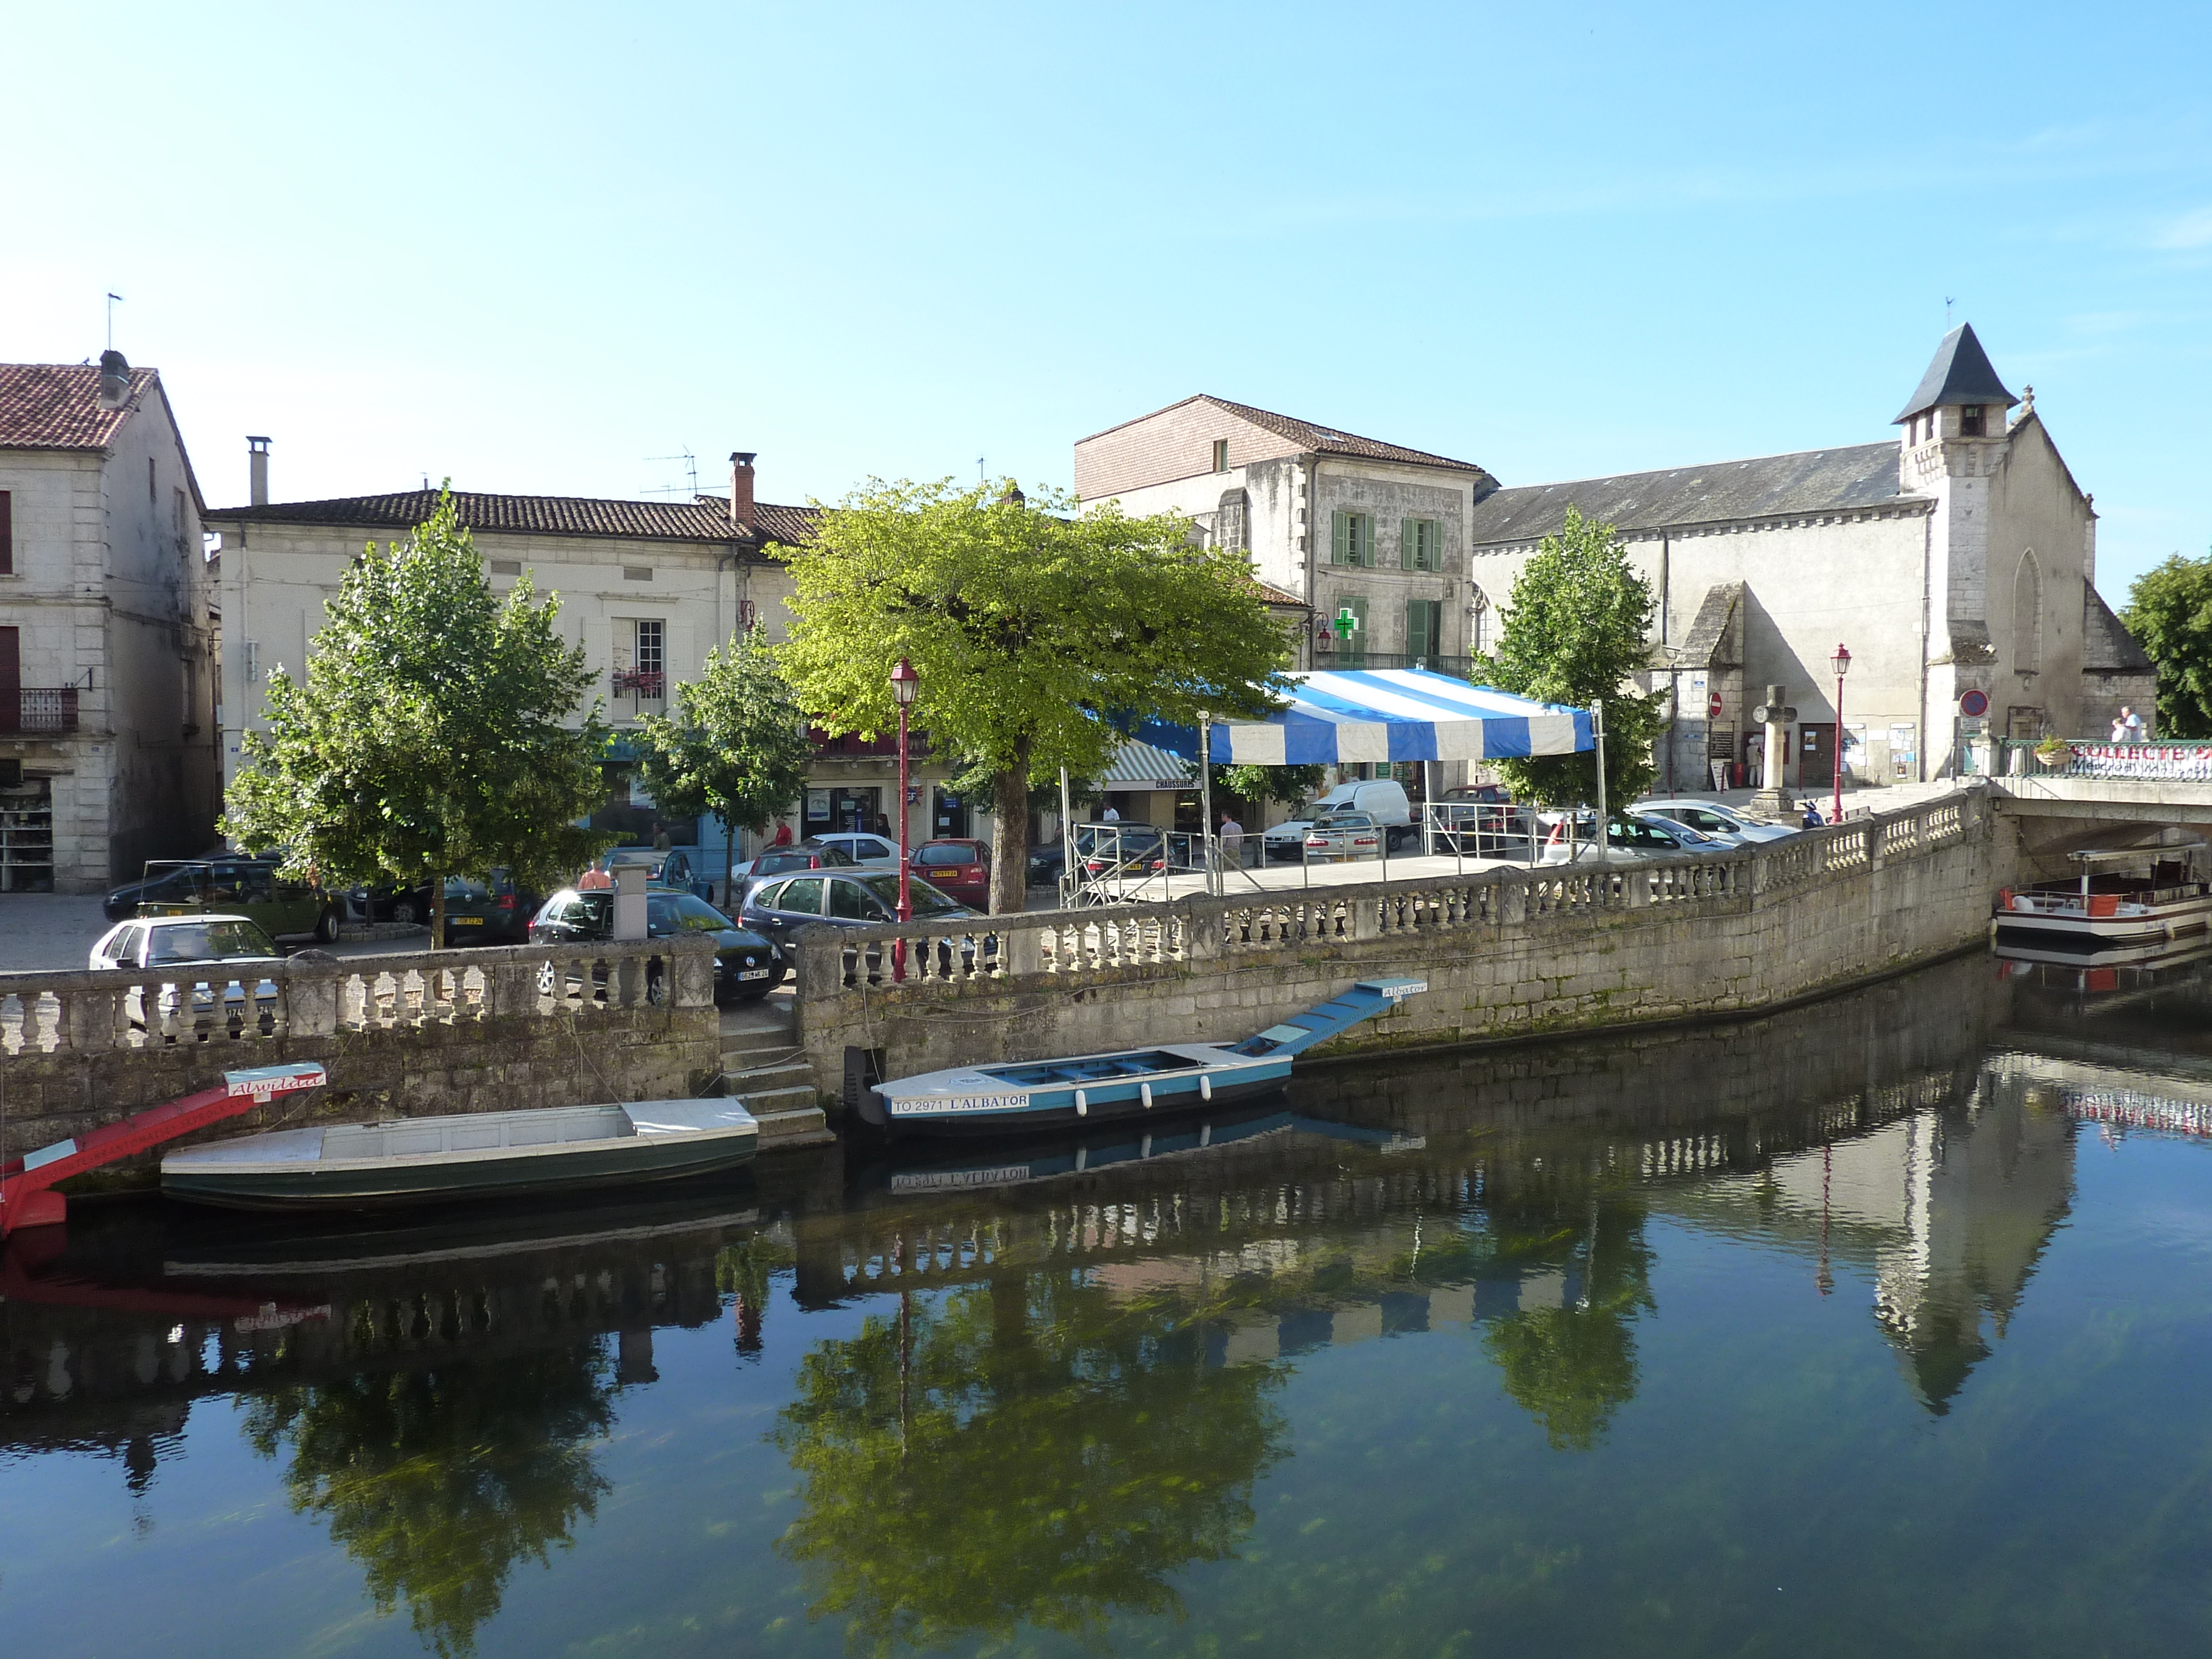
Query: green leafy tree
[[1289, 785], [1578, 629], [735, 746], [1025, 1451], [427, 735], [1029, 624], [438, 1481], [2170, 613]]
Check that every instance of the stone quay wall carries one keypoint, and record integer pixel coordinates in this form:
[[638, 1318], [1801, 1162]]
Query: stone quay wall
[[1508, 953], [487, 1031]]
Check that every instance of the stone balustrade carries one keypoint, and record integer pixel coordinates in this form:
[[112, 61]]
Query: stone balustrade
[[313, 994], [1523, 948]]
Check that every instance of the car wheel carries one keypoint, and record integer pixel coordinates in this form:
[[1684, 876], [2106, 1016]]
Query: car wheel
[[656, 986], [403, 912], [545, 987], [327, 926]]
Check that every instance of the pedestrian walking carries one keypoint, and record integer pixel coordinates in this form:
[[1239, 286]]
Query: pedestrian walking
[[1232, 841]]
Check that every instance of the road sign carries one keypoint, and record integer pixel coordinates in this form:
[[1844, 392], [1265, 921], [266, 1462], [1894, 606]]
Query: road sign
[[1973, 704]]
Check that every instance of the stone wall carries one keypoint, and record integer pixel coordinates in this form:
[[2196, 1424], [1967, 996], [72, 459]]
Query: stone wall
[[401, 1036], [1508, 953]]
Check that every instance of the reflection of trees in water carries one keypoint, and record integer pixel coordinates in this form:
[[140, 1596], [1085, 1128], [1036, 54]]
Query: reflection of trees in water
[[742, 1273], [438, 1481], [1571, 1366], [1022, 1451]]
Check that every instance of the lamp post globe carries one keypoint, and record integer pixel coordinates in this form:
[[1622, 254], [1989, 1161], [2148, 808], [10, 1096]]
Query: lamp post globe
[[1841, 662], [905, 684]]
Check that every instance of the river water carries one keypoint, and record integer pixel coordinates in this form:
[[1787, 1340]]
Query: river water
[[1883, 1325]]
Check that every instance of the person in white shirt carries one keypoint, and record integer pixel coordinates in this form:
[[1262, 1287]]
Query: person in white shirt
[[2131, 725], [1233, 840], [1109, 816]]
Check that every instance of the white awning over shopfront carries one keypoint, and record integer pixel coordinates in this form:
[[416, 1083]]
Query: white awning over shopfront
[[1385, 714]]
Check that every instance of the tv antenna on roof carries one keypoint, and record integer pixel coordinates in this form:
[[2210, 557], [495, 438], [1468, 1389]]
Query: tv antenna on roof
[[113, 299], [980, 478], [690, 474], [1947, 303]]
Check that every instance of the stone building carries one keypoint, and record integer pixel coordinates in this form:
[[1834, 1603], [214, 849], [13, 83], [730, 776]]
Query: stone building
[[1354, 528], [647, 588], [1958, 563], [107, 729]]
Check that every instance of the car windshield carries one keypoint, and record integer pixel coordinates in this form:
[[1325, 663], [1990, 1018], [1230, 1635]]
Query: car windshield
[[209, 941], [927, 899], [671, 913]]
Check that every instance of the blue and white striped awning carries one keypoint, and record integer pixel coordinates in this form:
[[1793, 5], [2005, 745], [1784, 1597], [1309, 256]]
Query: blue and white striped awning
[[1387, 715]]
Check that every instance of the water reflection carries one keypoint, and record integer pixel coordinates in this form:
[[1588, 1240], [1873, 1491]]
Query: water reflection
[[1037, 1388], [1036, 1448], [439, 1481]]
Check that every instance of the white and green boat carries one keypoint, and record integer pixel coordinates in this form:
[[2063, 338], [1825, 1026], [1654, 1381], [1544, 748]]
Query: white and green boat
[[423, 1160]]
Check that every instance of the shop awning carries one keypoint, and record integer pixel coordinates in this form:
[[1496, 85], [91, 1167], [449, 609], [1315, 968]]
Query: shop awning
[[1387, 715], [1138, 765]]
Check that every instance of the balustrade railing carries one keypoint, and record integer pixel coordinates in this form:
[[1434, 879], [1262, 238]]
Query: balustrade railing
[[1063, 945], [316, 995], [2091, 757]]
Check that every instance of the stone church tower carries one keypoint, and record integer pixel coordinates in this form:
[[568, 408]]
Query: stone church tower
[[2011, 552]]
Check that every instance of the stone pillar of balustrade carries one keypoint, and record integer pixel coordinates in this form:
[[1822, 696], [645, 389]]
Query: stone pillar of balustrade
[[693, 966], [512, 991], [309, 987], [1201, 929], [88, 1017], [1021, 950], [1513, 902]]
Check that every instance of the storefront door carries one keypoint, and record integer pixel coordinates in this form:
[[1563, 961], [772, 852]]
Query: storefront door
[[951, 819], [1816, 756]]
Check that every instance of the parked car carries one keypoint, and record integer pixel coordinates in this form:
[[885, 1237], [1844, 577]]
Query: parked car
[[1047, 864], [1382, 799], [248, 887], [678, 867], [1346, 835], [1629, 835], [1287, 840], [408, 907], [870, 852], [861, 898], [960, 868], [780, 860], [1711, 818], [1486, 793], [1484, 829], [747, 965], [122, 904], [1129, 849], [188, 942], [492, 911]]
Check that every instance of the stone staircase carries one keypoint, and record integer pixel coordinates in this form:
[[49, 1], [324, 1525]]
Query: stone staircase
[[777, 1085]]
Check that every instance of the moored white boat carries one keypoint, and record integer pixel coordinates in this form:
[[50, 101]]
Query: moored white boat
[[2130, 896], [1026, 1094], [478, 1155]]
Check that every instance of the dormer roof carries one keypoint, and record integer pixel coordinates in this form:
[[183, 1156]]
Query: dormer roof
[[1960, 374]]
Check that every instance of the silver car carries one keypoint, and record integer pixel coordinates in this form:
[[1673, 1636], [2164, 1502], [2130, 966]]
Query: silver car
[[182, 946], [1710, 818], [1631, 835]]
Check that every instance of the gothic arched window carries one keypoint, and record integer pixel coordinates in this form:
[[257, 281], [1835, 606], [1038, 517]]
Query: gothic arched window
[[1232, 526], [2027, 614]]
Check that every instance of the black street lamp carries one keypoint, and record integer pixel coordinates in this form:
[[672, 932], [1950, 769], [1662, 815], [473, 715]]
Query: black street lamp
[[905, 682], [1841, 662]]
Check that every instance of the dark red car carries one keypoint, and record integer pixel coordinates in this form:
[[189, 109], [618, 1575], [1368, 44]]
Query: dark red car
[[961, 869]]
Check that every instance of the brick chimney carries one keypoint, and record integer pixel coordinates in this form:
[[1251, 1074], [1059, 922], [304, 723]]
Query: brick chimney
[[741, 490], [257, 471]]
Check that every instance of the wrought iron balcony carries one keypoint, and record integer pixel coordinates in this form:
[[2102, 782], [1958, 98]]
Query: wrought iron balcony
[[38, 711]]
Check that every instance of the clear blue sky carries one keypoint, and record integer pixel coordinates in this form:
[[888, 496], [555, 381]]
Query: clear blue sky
[[535, 247]]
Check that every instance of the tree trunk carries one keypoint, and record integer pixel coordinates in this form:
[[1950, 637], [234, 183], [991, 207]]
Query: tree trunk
[[1010, 834], [437, 912]]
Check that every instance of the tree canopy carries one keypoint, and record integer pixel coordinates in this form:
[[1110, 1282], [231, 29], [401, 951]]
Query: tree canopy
[[1578, 629], [2170, 614], [735, 744], [426, 734], [1031, 626]]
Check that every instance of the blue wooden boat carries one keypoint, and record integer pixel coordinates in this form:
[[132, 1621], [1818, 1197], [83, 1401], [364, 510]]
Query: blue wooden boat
[[1052, 1094]]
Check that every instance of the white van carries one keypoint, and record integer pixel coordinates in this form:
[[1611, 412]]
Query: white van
[[1382, 799]]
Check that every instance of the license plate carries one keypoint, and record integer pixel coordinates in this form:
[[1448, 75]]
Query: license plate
[[468, 922], [754, 973]]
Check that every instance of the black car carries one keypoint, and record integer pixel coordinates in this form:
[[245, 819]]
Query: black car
[[1046, 864], [746, 965], [493, 911]]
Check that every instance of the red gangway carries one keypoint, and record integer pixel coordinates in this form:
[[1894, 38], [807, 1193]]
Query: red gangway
[[26, 1194]]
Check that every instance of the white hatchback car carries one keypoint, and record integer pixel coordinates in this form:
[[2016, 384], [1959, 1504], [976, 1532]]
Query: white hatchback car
[[187, 945], [867, 851], [1710, 818]]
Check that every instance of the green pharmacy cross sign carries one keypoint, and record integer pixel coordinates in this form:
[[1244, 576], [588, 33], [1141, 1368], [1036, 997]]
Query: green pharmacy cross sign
[[1345, 624]]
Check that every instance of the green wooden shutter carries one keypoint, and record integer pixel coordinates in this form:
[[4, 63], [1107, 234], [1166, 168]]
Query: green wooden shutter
[[1339, 552], [1408, 533], [1366, 521]]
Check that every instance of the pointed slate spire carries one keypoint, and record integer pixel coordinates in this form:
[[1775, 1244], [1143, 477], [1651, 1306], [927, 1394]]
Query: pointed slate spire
[[1960, 374]]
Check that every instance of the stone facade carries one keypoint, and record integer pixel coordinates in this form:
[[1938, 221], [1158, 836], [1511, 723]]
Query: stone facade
[[1508, 954], [107, 600]]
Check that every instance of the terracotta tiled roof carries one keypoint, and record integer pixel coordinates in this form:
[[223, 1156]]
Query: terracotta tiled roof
[[701, 520], [1271, 594], [1321, 439], [57, 405]]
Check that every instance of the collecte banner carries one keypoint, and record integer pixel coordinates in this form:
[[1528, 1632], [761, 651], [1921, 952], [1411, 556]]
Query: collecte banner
[[2185, 762]]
